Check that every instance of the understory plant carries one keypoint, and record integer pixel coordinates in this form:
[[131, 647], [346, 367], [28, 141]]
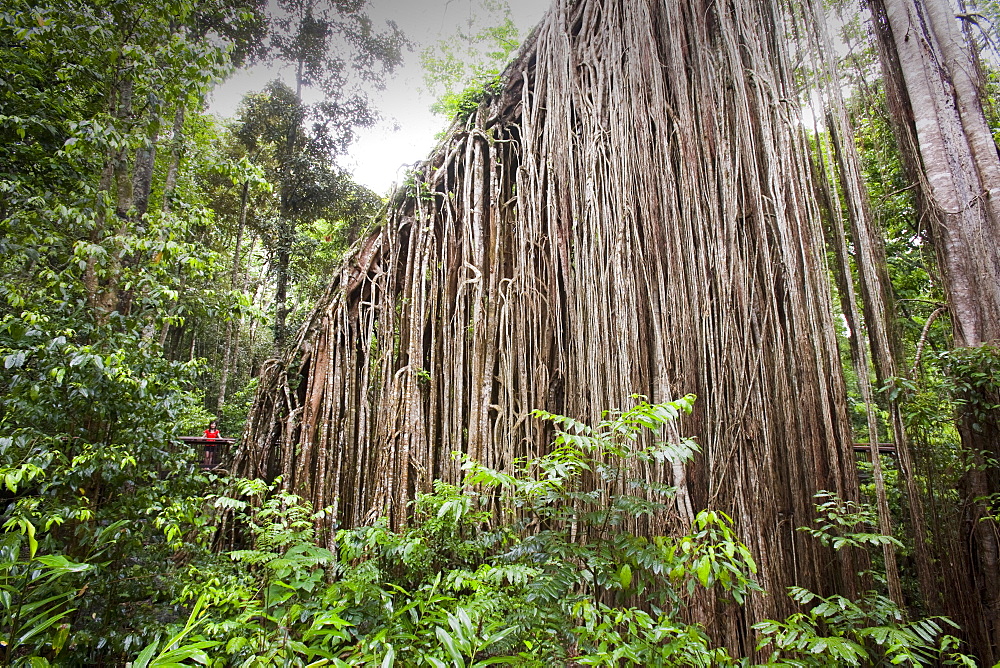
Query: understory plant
[[533, 565], [549, 562], [871, 630], [88, 455], [34, 597]]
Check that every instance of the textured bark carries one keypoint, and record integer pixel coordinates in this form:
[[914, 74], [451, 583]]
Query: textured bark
[[951, 153], [142, 177], [860, 351], [176, 148], [101, 283], [959, 162], [632, 214], [281, 275]]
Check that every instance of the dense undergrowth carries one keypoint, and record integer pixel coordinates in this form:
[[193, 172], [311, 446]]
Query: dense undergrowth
[[107, 555]]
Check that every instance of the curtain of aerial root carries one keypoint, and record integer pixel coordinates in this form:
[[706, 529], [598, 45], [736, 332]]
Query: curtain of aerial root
[[632, 214], [845, 197]]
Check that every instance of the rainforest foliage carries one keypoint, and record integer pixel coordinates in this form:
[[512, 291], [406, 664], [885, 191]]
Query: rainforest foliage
[[494, 572], [154, 257]]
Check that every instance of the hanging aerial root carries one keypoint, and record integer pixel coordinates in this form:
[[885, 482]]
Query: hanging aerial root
[[633, 213]]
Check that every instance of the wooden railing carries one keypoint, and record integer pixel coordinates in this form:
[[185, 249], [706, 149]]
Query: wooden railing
[[883, 448], [214, 449]]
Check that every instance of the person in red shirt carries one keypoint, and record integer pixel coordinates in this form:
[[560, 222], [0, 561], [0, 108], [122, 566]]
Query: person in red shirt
[[211, 433]]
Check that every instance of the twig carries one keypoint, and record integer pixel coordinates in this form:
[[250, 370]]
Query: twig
[[900, 190]]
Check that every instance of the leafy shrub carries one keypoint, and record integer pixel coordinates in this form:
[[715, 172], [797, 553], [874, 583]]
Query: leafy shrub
[[88, 417], [872, 630]]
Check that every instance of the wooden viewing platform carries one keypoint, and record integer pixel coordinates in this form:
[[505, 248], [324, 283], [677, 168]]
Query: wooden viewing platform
[[201, 440], [211, 445], [883, 448]]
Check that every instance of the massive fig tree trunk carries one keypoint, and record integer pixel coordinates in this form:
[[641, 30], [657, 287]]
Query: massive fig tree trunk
[[633, 213]]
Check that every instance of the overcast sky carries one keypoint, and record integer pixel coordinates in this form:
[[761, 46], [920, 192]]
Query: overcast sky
[[406, 134]]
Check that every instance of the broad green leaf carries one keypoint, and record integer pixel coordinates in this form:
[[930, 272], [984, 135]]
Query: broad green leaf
[[625, 576], [61, 564], [704, 570], [450, 646]]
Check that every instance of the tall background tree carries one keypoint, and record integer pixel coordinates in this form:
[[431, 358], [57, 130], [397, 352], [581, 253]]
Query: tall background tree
[[332, 48], [293, 134], [936, 93], [273, 129]]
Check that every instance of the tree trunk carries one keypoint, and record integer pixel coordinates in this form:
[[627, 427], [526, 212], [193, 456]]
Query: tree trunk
[[227, 349], [860, 359], [101, 283], [145, 161], [960, 182], [176, 148], [632, 214], [133, 208], [959, 160], [281, 266]]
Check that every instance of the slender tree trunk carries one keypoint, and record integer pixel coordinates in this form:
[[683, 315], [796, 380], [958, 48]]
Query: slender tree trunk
[[860, 360], [145, 161], [227, 350], [877, 301], [165, 330], [281, 266], [176, 148], [136, 204], [286, 226], [101, 283]]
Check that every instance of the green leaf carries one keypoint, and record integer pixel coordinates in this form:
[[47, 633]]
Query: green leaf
[[40, 623], [29, 530], [704, 570], [450, 646], [14, 360], [61, 564], [142, 661], [625, 576]]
